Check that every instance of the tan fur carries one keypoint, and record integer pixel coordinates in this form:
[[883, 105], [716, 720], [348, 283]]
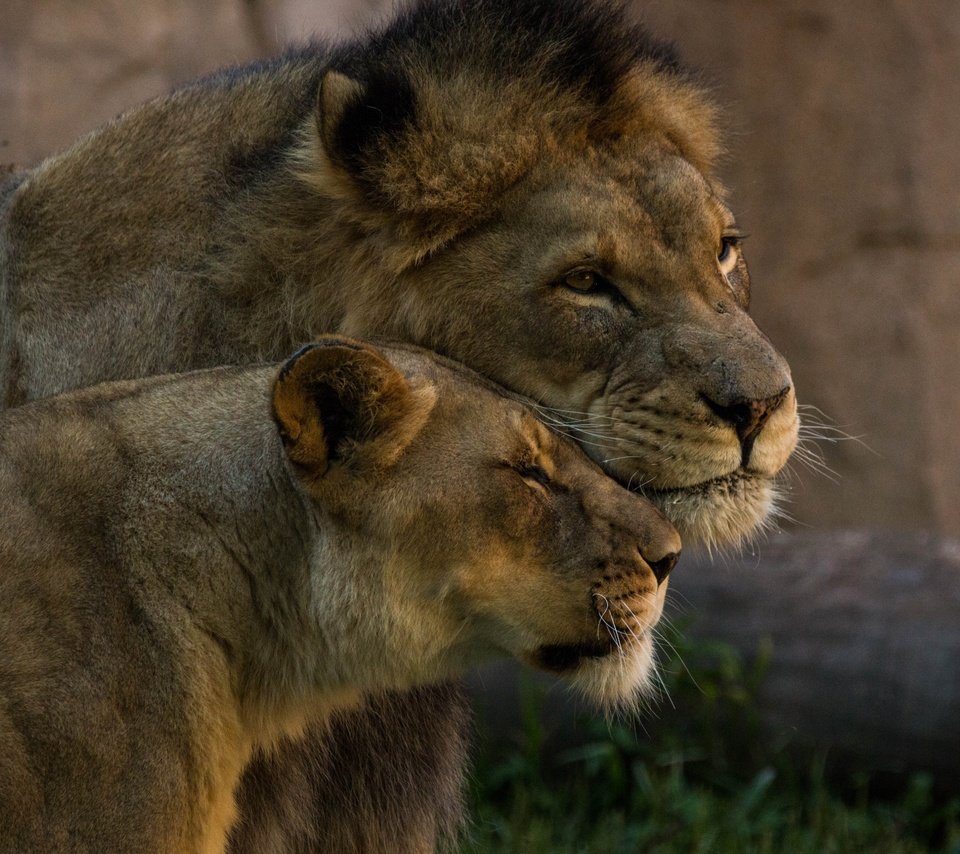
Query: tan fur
[[195, 565], [230, 221]]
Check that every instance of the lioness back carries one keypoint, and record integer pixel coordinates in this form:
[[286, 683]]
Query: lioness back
[[193, 567]]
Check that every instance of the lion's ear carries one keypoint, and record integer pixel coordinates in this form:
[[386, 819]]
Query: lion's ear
[[357, 120], [341, 401], [416, 166]]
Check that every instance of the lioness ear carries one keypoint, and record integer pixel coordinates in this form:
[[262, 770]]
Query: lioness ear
[[356, 119], [342, 400]]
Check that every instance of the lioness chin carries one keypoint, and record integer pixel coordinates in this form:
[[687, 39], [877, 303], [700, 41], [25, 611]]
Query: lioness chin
[[195, 565], [527, 186]]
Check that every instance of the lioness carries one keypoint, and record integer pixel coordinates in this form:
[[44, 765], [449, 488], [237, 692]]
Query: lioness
[[187, 579], [528, 187]]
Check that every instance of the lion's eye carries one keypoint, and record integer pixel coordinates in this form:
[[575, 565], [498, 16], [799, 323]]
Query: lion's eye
[[729, 253], [583, 281]]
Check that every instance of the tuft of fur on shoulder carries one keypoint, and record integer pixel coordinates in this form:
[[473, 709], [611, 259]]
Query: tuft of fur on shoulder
[[440, 112]]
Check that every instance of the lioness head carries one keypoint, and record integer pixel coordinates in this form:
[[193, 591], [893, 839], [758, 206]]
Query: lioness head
[[542, 186], [497, 535]]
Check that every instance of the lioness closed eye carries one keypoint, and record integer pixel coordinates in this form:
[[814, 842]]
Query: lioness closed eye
[[195, 565]]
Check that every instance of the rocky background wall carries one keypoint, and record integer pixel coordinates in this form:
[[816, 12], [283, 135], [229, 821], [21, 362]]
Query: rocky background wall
[[844, 163]]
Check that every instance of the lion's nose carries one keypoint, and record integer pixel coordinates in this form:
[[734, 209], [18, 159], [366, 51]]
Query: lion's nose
[[662, 566], [747, 417]]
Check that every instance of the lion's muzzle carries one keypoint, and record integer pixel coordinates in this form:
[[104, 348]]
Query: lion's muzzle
[[747, 417]]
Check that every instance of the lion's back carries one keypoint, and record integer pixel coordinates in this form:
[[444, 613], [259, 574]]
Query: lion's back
[[104, 249]]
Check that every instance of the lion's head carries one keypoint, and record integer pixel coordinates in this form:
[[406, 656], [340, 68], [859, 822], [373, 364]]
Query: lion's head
[[540, 187]]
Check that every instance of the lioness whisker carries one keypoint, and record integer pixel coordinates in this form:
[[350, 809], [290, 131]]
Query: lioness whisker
[[589, 415], [676, 654], [611, 626], [606, 607], [658, 675]]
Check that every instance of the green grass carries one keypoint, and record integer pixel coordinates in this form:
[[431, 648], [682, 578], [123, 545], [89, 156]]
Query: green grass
[[702, 778]]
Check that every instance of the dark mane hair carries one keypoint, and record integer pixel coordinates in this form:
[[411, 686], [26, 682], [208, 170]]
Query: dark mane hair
[[443, 108], [586, 46]]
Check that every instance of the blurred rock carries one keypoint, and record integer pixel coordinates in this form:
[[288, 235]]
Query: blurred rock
[[68, 67], [865, 639]]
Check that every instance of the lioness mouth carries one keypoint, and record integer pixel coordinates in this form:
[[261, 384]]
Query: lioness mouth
[[558, 658]]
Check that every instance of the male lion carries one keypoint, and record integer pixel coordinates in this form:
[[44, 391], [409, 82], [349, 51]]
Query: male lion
[[527, 187], [187, 579]]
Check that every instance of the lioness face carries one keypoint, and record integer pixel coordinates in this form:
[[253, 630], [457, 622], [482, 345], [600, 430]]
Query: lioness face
[[617, 285], [552, 562], [502, 536]]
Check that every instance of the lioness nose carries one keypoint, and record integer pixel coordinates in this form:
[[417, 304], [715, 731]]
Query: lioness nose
[[662, 566], [747, 416]]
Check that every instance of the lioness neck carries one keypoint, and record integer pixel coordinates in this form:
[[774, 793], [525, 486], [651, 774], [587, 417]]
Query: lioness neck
[[225, 566], [259, 566]]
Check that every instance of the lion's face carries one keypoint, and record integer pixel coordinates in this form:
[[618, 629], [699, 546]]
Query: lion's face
[[559, 227], [612, 291]]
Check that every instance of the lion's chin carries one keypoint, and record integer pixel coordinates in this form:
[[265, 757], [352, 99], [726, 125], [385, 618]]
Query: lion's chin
[[720, 512], [614, 679]]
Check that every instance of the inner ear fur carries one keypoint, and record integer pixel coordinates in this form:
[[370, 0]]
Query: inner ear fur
[[341, 400], [359, 120], [421, 166]]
